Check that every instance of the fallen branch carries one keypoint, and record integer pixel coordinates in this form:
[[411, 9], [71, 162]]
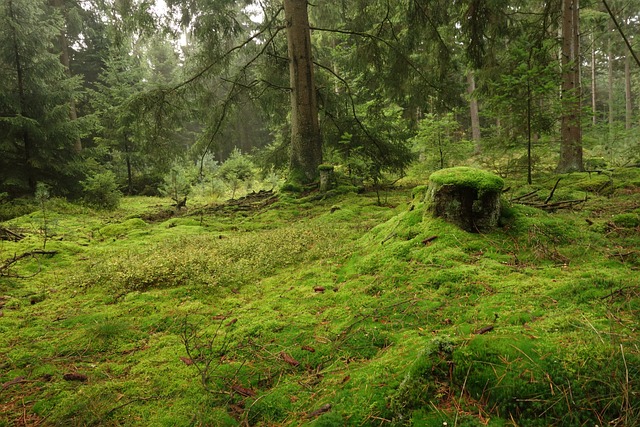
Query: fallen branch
[[566, 203], [553, 190], [524, 196], [6, 234], [4, 268], [323, 409], [557, 205]]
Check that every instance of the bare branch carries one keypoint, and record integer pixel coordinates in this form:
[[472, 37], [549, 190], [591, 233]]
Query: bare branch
[[615, 22]]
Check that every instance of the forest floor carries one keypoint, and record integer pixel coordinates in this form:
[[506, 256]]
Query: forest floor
[[278, 310]]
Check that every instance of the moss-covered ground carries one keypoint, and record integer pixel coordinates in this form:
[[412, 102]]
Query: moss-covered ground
[[325, 313]]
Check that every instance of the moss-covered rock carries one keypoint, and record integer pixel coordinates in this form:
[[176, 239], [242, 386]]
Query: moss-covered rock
[[467, 197]]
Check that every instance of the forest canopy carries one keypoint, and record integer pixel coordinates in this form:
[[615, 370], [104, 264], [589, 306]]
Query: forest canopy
[[126, 94]]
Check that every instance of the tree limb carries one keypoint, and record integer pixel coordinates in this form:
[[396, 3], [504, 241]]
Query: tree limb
[[615, 22], [385, 42], [212, 64]]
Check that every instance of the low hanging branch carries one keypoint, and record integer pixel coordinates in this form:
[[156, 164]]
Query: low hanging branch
[[390, 45], [212, 64], [626, 40]]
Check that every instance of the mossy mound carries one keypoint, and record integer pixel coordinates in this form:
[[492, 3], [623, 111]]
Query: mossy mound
[[464, 176]]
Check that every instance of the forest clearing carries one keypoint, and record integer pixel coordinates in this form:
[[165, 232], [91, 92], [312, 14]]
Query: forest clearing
[[333, 213], [331, 312]]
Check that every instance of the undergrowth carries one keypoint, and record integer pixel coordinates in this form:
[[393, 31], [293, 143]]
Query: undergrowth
[[327, 313]]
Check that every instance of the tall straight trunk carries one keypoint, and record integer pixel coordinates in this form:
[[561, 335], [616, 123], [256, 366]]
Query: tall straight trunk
[[594, 106], [27, 154], [306, 142], [65, 59], [610, 83], [127, 153], [474, 111], [571, 132], [627, 92]]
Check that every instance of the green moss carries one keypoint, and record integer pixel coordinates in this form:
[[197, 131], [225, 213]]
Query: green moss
[[626, 220], [355, 296], [478, 179], [122, 229], [325, 167], [419, 192]]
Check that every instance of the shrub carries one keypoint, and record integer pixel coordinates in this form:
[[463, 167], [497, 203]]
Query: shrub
[[101, 191], [236, 170], [177, 184]]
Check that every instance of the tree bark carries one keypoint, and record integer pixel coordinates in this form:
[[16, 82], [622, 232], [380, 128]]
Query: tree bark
[[571, 132], [474, 111], [610, 84], [594, 107], [627, 92], [306, 142]]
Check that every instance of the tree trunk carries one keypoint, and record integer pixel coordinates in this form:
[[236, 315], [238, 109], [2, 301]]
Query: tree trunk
[[594, 107], [306, 142], [571, 132], [22, 107], [610, 84], [127, 153], [475, 114], [65, 59], [627, 92]]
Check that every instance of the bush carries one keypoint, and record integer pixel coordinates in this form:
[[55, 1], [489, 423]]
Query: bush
[[235, 171], [101, 191]]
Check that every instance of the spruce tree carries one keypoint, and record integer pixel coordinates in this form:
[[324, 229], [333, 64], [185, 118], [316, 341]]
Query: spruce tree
[[38, 136]]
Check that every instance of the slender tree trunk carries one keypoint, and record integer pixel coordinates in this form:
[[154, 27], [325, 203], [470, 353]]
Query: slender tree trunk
[[529, 137], [594, 107], [306, 142], [127, 153], [22, 106], [474, 110], [65, 59], [610, 84], [571, 132], [627, 92]]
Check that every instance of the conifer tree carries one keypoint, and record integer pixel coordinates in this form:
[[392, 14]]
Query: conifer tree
[[37, 133]]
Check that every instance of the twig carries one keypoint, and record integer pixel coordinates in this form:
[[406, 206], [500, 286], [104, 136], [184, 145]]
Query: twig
[[553, 190], [464, 384], [524, 196], [4, 268]]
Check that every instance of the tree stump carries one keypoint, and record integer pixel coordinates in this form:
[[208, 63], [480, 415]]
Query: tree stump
[[327, 178], [467, 197]]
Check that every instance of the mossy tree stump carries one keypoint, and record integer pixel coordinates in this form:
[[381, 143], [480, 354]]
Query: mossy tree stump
[[467, 197], [327, 177]]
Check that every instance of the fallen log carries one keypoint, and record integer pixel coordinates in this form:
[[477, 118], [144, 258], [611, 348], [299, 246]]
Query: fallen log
[[6, 234]]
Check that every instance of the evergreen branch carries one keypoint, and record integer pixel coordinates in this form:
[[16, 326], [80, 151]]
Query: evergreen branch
[[388, 44], [233, 49], [434, 27], [353, 105], [235, 83]]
